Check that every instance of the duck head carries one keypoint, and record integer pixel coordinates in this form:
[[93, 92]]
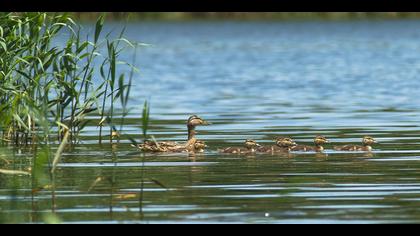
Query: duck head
[[192, 122], [285, 142], [319, 140], [200, 145], [195, 120], [367, 141], [251, 144]]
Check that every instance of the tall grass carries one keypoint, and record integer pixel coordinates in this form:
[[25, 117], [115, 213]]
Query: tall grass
[[47, 89]]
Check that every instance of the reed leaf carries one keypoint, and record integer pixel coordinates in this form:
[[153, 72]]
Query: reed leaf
[[60, 150], [37, 77], [98, 27], [145, 119], [14, 172]]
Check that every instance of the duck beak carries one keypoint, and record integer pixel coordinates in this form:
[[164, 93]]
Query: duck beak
[[206, 122], [258, 145], [327, 141]]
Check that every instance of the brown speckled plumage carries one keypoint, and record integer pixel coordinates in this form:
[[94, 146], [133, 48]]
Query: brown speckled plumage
[[367, 141], [250, 147], [170, 146], [283, 145], [319, 141]]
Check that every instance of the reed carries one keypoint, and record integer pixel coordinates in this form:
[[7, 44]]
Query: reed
[[50, 92], [47, 90], [145, 119]]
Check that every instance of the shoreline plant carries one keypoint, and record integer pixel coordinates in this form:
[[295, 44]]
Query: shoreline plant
[[46, 89]]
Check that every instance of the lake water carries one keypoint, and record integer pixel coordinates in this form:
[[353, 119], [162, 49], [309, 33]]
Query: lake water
[[251, 80]]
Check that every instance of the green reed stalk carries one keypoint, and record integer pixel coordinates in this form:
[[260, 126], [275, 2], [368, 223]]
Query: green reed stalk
[[47, 90], [32, 69], [145, 119]]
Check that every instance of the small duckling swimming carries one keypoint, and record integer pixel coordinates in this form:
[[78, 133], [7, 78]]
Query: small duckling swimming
[[249, 148], [319, 141], [199, 146], [367, 142], [170, 146], [282, 145], [151, 146]]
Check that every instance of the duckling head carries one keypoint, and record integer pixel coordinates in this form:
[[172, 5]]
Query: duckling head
[[319, 140], [195, 120], [285, 142], [200, 145], [250, 144], [367, 140]]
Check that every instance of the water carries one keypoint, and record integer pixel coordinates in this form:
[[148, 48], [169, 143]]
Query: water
[[251, 80]]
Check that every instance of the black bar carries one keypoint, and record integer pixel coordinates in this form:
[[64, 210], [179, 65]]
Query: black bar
[[211, 5]]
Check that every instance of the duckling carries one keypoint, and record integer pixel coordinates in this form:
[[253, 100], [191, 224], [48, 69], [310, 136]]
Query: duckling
[[170, 146], [249, 148], [367, 142], [151, 146], [282, 145], [319, 141], [199, 146]]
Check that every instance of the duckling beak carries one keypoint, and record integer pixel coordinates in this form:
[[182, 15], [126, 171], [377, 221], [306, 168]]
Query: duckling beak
[[206, 122], [258, 145], [327, 141]]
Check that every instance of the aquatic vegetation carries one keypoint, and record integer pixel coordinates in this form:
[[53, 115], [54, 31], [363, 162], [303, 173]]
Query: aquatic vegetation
[[46, 89], [145, 119], [50, 92]]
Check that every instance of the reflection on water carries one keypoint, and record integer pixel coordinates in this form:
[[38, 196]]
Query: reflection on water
[[251, 80]]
